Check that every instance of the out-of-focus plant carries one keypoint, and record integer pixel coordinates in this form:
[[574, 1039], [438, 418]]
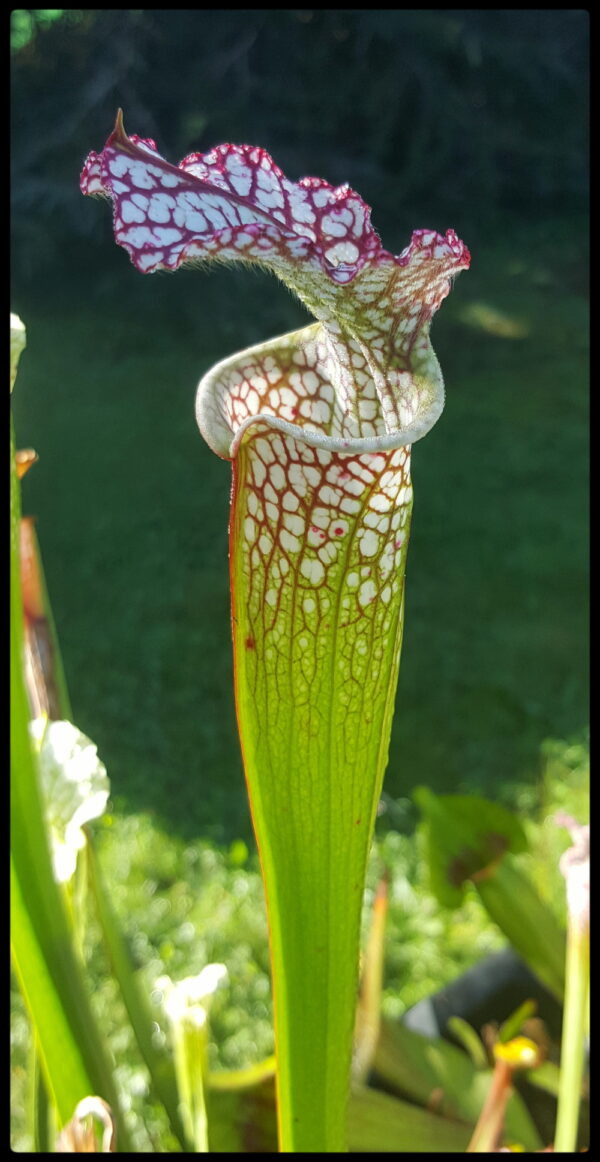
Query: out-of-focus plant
[[318, 426], [58, 786], [186, 1004], [75, 788], [470, 839], [90, 1131]]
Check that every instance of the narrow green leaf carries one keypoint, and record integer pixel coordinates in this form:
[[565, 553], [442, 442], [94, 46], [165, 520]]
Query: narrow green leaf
[[158, 1062], [368, 1016], [41, 629], [545, 1076], [38, 1106], [513, 1024], [465, 1033], [530, 925], [575, 1022], [469, 838], [378, 1123]]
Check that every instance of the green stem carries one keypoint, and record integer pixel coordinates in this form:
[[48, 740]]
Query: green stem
[[189, 1051], [38, 1102], [135, 998], [574, 1028]]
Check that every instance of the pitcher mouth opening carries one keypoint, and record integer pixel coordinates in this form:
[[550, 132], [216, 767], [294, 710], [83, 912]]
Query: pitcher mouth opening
[[224, 427]]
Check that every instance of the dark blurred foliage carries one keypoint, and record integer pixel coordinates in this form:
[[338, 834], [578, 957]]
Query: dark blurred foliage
[[463, 113]]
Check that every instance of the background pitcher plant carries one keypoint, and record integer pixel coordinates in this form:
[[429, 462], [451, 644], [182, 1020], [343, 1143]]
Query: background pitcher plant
[[318, 425]]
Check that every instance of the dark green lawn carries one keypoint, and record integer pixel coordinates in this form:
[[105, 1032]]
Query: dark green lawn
[[132, 518]]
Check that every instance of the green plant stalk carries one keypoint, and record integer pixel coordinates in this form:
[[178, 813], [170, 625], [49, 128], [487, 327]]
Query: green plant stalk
[[159, 1065], [39, 1110], [573, 1036], [189, 1050], [487, 1135], [368, 1016]]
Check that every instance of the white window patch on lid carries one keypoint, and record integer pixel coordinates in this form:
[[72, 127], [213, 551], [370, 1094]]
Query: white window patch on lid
[[160, 208], [141, 200], [270, 198], [131, 213], [301, 210], [342, 252], [148, 260], [332, 226], [193, 220], [167, 235], [241, 183], [141, 176], [215, 217], [118, 165]]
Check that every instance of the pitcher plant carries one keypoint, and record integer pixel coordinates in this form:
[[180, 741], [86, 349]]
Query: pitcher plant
[[318, 425]]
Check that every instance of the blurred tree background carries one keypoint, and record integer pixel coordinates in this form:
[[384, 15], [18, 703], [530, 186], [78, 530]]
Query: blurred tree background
[[478, 111], [475, 119]]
